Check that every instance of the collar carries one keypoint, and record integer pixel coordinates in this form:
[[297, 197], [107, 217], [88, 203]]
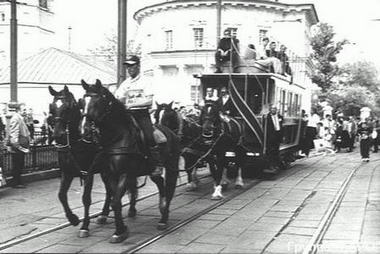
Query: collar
[[135, 78]]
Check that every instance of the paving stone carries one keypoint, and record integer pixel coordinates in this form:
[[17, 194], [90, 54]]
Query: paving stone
[[61, 248], [299, 231], [201, 248], [215, 238], [215, 217], [223, 211]]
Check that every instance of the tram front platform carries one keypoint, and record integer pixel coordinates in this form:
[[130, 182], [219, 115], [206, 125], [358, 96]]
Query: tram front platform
[[329, 203]]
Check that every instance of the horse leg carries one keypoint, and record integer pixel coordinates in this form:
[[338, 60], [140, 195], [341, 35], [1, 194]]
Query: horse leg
[[217, 171], [102, 218], [119, 186], [159, 181], [239, 183], [86, 200], [66, 181], [132, 187], [171, 175]]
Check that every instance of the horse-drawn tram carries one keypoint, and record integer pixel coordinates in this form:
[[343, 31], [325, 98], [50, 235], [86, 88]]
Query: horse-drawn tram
[[253, 93]]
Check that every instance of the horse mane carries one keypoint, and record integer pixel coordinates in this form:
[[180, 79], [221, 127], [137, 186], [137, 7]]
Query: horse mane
[[120, 110]]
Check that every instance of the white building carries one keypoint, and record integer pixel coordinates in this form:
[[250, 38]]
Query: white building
[[35, 28], [178, 38]]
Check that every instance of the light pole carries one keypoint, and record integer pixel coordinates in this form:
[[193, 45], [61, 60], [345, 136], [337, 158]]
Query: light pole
[[218, 20], [13, 52], [121, 40]]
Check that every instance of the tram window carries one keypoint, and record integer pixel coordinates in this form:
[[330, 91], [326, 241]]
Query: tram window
[[295, 104], [290, 104], [283, 102]]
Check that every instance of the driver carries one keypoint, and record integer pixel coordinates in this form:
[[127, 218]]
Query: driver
[[137, 95]]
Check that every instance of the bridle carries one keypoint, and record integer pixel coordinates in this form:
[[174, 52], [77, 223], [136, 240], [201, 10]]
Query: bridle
[[107, 110]]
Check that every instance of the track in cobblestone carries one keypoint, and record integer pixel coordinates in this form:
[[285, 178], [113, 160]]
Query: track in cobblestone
[[192, 218], [149, 240], [317, 238], [67, 224]]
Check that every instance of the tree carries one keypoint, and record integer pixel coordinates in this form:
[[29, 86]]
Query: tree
[[357, 86], [325, 51], [362, 74], [108, 50]]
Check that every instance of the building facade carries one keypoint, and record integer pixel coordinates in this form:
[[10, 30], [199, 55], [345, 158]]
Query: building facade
[[178, 39], [35, 28]]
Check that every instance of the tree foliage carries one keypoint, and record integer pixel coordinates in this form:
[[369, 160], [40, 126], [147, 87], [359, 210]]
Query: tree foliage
[[357, 87], [325, 51], [108, 50]]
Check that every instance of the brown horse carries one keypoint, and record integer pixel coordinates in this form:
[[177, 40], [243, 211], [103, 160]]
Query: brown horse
[[120, 139], [75, 156]]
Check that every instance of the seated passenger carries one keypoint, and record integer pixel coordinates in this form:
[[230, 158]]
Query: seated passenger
[[284, 61], [270, 59], [227, 45], [250, 52]]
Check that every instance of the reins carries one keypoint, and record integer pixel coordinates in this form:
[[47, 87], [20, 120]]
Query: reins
[[207, 153]]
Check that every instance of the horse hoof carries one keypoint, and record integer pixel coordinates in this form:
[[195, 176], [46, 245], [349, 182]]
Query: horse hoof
[[132, 213], [119, 238], [191, 186], [101, 220], [83, 233], [216, 198], [162, 226], [238, 186], [73, 219]]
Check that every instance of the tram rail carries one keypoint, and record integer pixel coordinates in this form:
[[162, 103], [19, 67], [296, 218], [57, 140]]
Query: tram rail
[[315, 241]]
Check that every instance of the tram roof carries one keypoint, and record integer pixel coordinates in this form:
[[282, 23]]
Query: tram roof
[[245, 75]]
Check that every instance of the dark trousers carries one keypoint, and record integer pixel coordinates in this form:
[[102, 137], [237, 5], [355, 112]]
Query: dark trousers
[[145, 123], [311, 132], [273, 149], [17, 165], [219, 60], [376, 143], [365, 145]]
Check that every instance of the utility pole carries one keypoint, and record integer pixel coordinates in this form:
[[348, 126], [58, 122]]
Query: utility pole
[[121, 40], [69, 37], [218, 20], [13, 55]]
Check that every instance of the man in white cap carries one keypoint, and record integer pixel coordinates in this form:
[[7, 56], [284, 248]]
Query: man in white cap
[[137, 95]]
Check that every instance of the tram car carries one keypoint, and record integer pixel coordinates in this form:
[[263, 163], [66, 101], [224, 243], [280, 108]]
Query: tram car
[[253, 90]]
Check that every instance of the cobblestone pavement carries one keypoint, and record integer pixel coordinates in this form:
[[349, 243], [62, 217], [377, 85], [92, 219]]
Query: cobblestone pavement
[[274, 216]]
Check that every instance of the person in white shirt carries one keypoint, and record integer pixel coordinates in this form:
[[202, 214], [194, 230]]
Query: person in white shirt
[[136, 93]]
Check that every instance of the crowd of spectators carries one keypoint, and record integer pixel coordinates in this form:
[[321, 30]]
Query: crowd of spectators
[[330, 134]]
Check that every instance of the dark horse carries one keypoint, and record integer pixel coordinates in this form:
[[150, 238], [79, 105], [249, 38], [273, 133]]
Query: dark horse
[[218, 145], [186, 127], [75, 156], [120, 139]]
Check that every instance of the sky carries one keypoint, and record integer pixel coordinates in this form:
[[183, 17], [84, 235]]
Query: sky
[[93, 20]]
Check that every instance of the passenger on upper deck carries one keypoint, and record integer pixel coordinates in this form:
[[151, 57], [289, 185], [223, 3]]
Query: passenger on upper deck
[[269, 57], [284, 61], [250, 52], [261, 52], [227, 45]]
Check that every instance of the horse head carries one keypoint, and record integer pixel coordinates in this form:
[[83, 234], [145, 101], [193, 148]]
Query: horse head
[[167, 116], [66, 114], [210, 119]]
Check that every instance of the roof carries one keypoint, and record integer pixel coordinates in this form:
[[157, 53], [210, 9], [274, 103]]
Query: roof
[[165, 5], [56, 66]]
